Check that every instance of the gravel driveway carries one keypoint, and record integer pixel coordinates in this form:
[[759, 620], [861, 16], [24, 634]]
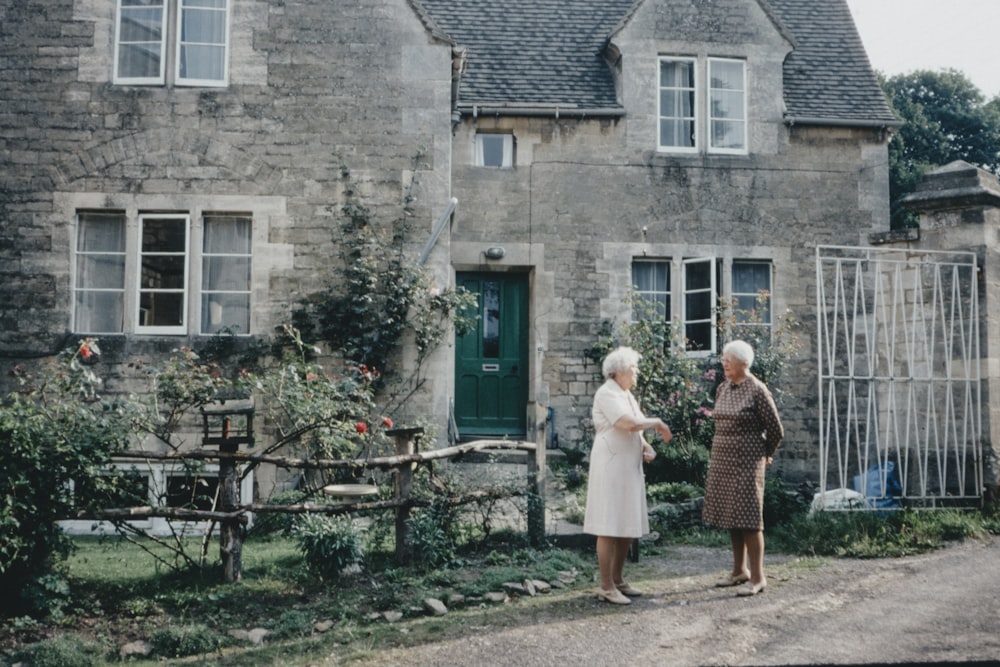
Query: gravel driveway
[[933, 608]]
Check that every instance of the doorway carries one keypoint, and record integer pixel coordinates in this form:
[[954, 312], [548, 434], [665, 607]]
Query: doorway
[[491, 361]]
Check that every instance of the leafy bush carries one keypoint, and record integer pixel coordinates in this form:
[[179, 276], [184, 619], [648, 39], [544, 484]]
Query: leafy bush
[[277, 523], [329, 544], [55, 430], [183, 640], [291, 624], [672, 492], [64, 651], [433, 531]]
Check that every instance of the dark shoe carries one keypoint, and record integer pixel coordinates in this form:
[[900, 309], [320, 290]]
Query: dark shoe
[[749, 589], [627, 589], [613, 596], [732, 580]]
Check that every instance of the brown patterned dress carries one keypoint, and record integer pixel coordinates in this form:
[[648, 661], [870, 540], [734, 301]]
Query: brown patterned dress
[[747, 431]]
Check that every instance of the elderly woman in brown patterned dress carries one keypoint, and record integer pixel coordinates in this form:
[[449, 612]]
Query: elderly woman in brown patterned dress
[[747, 431]]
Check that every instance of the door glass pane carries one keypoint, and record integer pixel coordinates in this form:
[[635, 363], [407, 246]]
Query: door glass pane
[[491, 319]]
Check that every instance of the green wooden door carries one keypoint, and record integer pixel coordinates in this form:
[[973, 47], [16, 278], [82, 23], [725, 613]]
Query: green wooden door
[[491, 364]]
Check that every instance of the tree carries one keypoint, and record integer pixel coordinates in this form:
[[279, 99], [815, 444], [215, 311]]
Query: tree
[[946, 119]]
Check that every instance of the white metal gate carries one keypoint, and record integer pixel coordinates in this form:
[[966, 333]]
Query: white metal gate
[[899, 379]]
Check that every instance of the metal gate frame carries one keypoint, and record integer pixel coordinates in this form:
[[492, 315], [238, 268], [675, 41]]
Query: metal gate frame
[[899, 379]]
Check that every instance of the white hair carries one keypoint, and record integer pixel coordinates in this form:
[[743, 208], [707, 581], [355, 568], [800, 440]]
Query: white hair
[[619, 360], [741, 350]]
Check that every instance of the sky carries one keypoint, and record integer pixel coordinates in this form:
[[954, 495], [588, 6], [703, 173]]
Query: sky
[[906, 35]]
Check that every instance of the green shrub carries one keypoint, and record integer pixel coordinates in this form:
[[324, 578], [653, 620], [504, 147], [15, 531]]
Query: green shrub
[[65, 651], [277, 523], [434, 537], [292, 624], [672, 492], [329, 544], [183, 640]]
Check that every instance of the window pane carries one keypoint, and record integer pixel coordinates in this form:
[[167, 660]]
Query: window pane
[[751, 292], [99, 312], [99, 278], [698, 275], [161, 309], [698, 306], [163, 271], [140, 39], [491, 319], [677, 104], [492, 150], [226, 274], [191, 492], [651, 283], [698, 335], [202, 40], [727, 105]]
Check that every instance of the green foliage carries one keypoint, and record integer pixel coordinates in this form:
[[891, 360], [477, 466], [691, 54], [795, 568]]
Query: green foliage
[[63, 651], [329, 544], [55, 430], [277, 523], [292, 623], [177, 641], [382, 294], [945, 119], [433, 530], [672, 492]]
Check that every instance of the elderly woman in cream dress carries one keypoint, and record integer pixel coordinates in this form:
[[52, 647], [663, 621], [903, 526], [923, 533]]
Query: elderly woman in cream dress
[[616, 493]]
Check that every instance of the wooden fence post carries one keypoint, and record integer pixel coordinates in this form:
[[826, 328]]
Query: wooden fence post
[[406, 440]]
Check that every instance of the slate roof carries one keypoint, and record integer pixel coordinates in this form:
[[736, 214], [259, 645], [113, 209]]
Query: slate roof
[[547, 53]]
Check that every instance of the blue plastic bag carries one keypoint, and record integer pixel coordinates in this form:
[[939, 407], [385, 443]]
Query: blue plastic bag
[[870, 485]]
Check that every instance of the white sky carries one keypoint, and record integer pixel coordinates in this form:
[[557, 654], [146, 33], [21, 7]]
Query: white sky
[[906, 35]]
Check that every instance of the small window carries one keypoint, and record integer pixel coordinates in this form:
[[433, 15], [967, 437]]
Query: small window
[[225, 274], [197, 42], [727, 106], [163, 270], [651, 286], [677, 102], [700, 280], [494, 150], [99, 279], [191, 492], [752, 293]]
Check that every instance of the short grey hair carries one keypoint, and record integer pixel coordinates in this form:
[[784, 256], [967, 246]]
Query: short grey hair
[[741, 350], [619, 360]]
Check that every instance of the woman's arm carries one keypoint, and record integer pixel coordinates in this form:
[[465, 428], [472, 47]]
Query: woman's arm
[[632, 424]]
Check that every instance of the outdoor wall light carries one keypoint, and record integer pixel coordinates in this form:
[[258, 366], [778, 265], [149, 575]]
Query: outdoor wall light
[[494, 252]]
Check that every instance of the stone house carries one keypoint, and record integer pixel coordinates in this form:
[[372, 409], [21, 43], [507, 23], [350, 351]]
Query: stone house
[[170, 168]]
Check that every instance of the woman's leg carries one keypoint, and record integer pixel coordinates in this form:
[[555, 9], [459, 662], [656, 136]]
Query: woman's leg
[[754, 541], [622, 546], [739, 545], [606, 549]]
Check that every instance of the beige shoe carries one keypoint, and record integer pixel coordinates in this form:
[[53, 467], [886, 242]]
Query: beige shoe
[[732, 580], [749, 589], [613, 596], [628, 590]]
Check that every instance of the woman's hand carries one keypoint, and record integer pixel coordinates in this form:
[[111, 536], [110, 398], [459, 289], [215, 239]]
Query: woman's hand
[[664, 431], [648, 453]]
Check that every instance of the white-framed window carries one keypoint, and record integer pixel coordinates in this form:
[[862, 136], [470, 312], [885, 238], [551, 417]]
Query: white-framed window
[[651, 288], [745, 283], [193, 35], [751, 293], [678, 105], [686, 85], [727, 106], [227, 267], [700, 297], [137, 276], [494, 149]]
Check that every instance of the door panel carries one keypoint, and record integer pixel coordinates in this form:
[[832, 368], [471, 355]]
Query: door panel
[[491, 382]]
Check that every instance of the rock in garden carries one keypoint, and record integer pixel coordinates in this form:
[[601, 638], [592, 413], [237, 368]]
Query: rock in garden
[[392, 616], [323, 626], [137, 648], [435, 607]]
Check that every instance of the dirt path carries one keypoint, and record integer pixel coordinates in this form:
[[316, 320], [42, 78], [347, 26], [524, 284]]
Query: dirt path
[[938, 607]]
